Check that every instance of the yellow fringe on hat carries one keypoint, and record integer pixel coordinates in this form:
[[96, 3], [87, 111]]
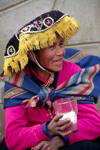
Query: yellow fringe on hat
[[66, 28]]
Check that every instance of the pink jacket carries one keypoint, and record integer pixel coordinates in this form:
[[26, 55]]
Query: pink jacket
[[23, 127]]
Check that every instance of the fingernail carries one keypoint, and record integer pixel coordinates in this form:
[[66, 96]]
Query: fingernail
[[61, 114], [68, 119], [70, 132]]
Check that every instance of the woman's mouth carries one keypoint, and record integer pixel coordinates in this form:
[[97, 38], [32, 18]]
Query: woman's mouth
[[58, 61]]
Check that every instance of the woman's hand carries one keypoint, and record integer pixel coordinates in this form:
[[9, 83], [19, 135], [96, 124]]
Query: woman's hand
[[57, 127], [53, 144]]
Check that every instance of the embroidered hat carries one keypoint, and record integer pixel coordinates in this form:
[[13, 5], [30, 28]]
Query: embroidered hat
[[37, 34]]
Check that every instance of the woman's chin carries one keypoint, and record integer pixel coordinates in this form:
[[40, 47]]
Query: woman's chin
[[57, 69]]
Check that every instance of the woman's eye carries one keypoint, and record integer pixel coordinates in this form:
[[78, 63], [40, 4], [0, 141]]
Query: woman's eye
[[61, 44], [51, 46]]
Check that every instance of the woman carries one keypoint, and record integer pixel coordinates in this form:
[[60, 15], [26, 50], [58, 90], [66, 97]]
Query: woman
[[38, 76]]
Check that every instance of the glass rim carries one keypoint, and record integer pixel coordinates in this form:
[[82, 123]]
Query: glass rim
[[71, 100]]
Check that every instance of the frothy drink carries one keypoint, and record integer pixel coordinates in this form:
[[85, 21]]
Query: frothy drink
[[73, 117], [67, 107]]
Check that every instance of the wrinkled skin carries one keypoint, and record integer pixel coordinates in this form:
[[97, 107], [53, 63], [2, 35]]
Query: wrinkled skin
[[51, 58], [55, 127], [53, 144]]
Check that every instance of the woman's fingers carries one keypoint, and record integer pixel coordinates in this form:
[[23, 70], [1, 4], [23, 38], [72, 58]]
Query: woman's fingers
[[65, 126], [57, 126], [63, 122], [39, 146], [62, 125], [43, 145], [57, 117], [64, 133]]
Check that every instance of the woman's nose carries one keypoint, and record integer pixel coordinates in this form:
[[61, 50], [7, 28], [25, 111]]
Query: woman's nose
[[60, 51]]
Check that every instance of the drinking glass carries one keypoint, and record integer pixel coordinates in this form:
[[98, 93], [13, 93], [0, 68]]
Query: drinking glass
[[67, 107]]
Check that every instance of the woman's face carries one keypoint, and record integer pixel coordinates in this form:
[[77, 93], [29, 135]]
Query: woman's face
[[51, 57]]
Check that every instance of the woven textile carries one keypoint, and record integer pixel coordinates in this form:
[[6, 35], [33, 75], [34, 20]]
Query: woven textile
[[85, 84]]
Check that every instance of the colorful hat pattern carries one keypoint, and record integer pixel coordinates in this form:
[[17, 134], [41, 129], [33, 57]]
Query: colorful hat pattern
[[36, 35]]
